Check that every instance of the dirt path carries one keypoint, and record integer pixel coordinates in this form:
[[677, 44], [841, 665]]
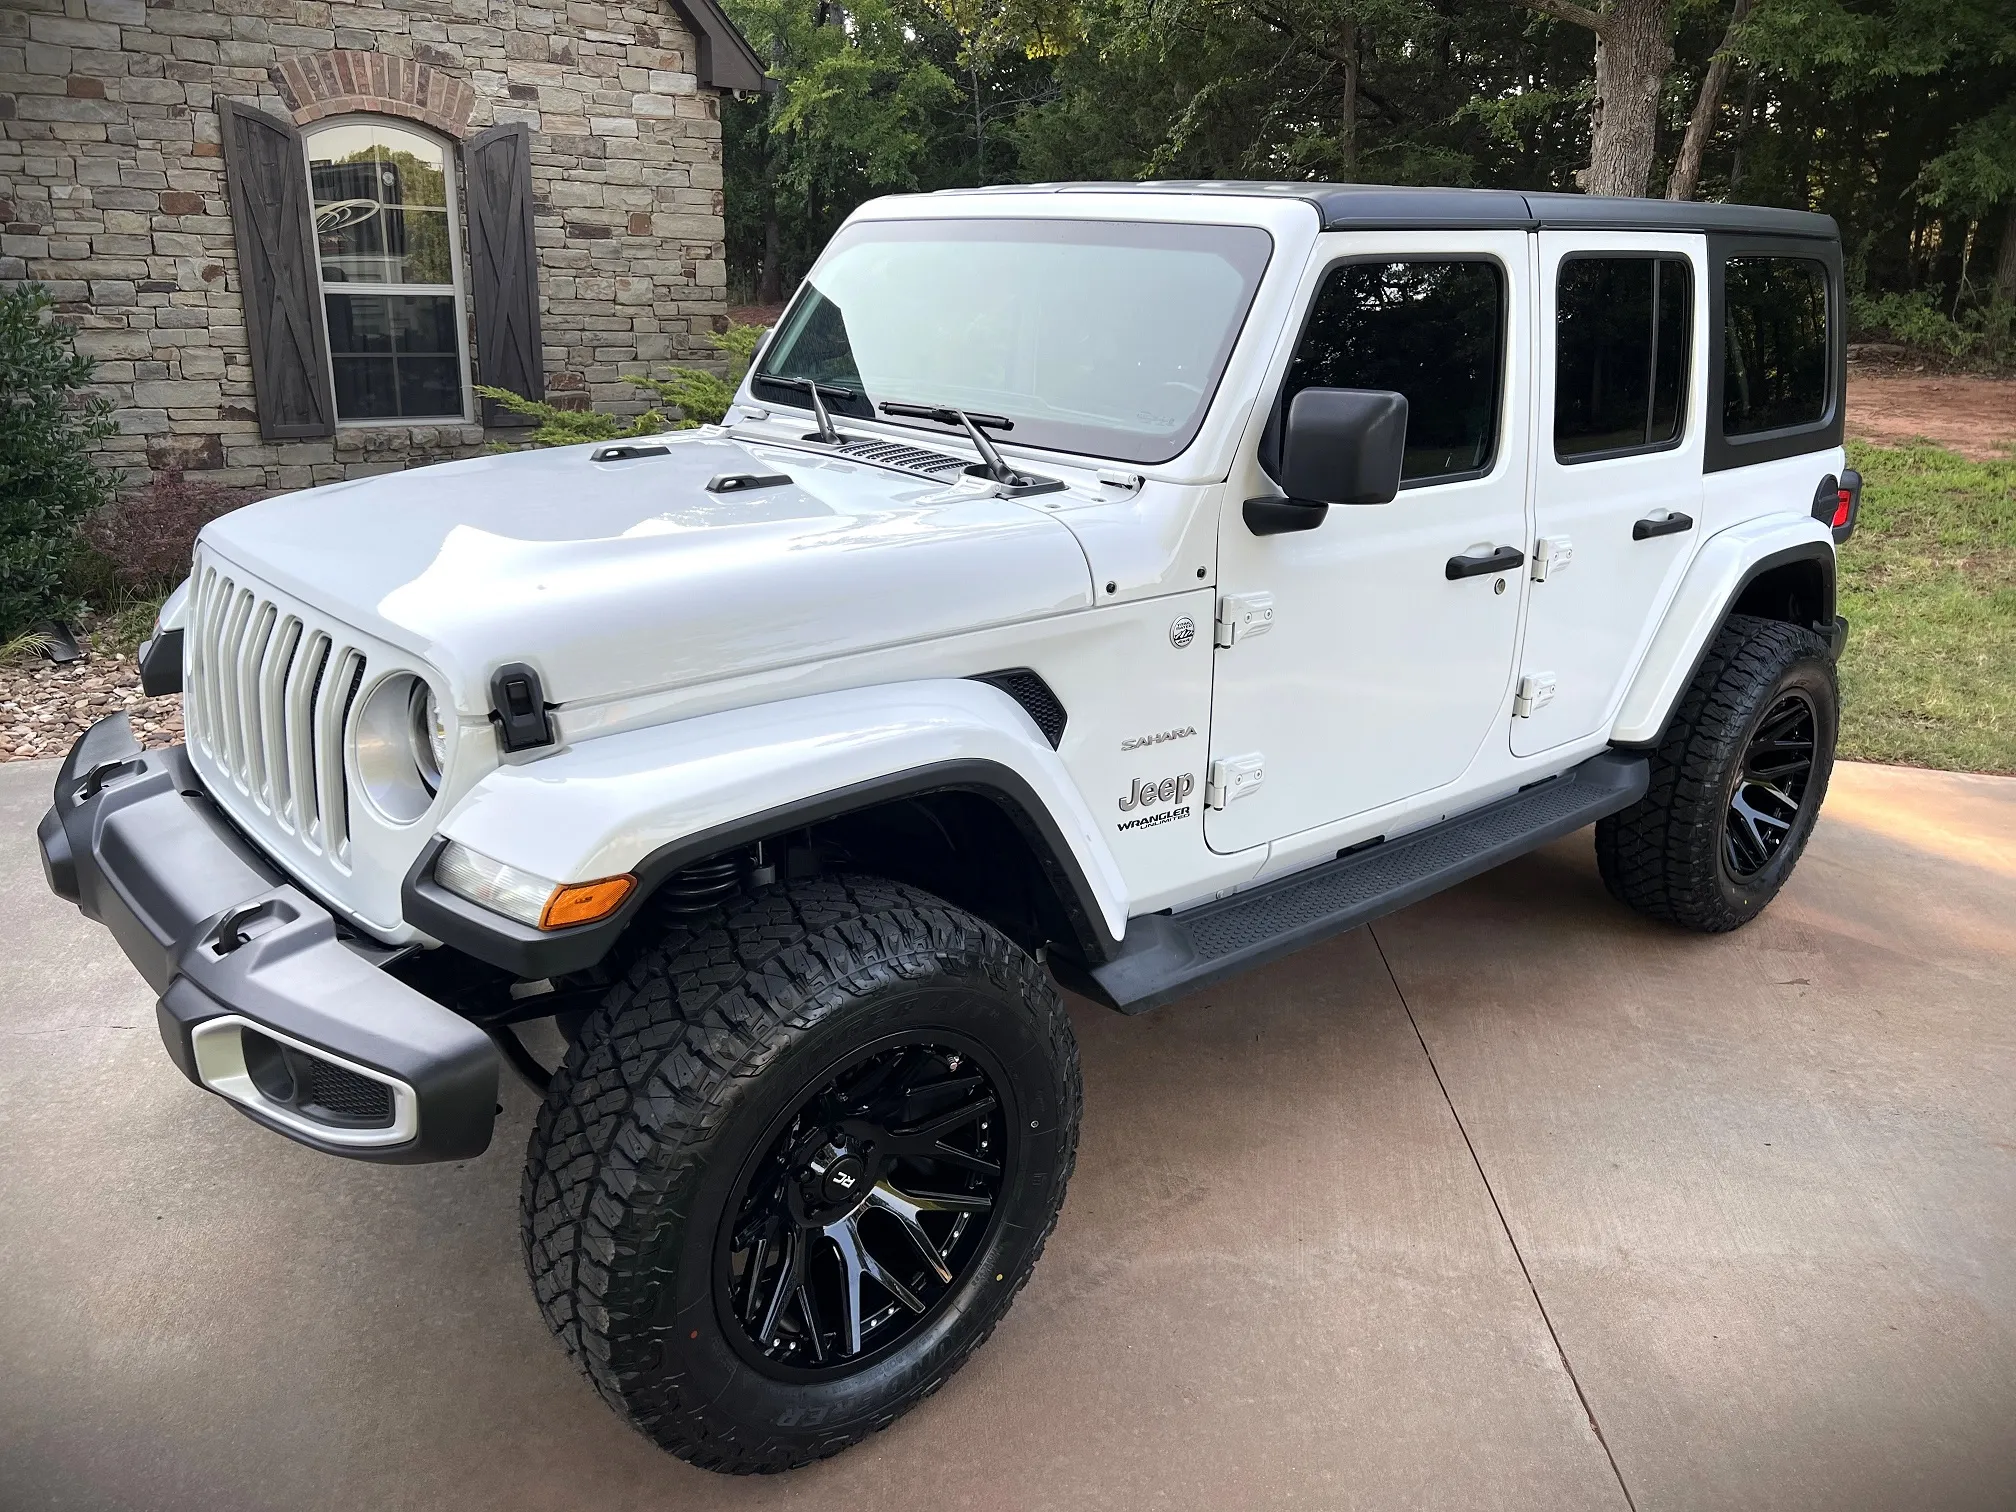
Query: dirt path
[[1969, 414]]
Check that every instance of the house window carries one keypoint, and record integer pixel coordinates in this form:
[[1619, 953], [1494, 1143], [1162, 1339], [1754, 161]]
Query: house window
[[389, 258]]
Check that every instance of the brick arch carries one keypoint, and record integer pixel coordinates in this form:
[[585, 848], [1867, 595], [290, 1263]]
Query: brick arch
[[321, 84]]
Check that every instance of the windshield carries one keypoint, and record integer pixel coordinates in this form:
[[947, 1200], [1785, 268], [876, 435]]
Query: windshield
[[1088, 336]]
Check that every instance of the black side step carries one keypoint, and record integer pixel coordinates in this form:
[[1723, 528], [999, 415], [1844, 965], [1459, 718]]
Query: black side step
[[1167, 955]]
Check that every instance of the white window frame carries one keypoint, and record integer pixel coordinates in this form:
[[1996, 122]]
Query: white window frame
[[451, 178]]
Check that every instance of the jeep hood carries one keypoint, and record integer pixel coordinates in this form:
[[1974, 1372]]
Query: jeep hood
[[620, 577]]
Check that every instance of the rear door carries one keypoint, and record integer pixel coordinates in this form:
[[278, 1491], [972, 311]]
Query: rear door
[[1617, 477], [1377, 675]]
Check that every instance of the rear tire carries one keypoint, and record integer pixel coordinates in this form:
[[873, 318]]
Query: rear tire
[[757, 1205], [1737, 782]]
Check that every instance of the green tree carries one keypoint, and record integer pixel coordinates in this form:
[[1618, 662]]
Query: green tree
[[48, 482]]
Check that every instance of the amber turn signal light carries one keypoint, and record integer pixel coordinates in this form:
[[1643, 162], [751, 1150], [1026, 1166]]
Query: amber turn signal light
[[585, 902]]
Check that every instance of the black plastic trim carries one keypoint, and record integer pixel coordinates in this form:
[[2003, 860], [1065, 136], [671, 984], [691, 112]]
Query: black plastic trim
[[1380, 207], [518, 708], [1810, 551], [1673, 524], [1275, 516], [161, 664], [1722, 452], [135, 842], [1038, 699], [1168, 955], [532, 953]]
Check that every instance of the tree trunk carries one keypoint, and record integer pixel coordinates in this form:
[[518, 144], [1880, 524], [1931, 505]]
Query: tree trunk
[[1686, 176], [1746, 123], [2005, 260], [1634, 48], [770, 285], [1350, 110]]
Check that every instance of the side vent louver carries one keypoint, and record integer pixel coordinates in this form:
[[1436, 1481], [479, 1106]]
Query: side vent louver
[[1030, 691]]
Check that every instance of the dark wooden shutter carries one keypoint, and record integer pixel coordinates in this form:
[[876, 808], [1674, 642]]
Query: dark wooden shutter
[[503, 269], [267, 176]]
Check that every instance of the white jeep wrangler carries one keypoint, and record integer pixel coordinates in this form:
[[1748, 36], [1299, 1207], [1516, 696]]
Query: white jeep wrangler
[[1121, 583]]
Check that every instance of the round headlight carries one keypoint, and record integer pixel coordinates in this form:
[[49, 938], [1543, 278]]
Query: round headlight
[[399, 742]]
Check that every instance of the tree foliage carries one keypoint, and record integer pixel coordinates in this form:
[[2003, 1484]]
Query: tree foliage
[[49, 423], [1892, 115], [695, 396]]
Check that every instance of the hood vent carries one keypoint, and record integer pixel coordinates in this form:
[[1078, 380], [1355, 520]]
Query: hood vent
[[910, 459]]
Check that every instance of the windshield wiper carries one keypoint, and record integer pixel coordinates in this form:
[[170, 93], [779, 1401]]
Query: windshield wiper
[[997, 468], [814, 389]]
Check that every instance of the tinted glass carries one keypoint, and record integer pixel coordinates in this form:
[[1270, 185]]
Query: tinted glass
[[1774, 344], [1105, 338], [1434, 331], [393, 356], [1620, 369]]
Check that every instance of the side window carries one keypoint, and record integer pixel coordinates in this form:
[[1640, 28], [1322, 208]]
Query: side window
[[1774, 344], [385, 242], [1622, 329], [1434, 331]]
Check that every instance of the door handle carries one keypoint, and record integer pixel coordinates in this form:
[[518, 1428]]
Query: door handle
[[1673, 524], [1504, 559]]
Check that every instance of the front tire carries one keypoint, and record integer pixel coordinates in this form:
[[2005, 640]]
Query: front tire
[[1737, 782], [797, 1165]]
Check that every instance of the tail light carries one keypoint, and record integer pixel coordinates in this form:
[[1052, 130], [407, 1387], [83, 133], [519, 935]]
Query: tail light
[[1837, 502]]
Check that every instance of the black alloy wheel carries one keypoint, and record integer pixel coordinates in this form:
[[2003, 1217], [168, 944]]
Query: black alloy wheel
[[797, 1164], [864, 1211], [1770, 786]]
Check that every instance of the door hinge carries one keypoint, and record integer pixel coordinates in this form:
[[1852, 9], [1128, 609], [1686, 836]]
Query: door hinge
[[1242, 616], [1550, 555], [1536, 691], [1232, 777]]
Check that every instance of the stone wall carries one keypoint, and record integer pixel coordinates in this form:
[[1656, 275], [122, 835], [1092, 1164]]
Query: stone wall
[[112, 193]]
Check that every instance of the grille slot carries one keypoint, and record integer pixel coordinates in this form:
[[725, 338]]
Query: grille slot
[[268, 699]]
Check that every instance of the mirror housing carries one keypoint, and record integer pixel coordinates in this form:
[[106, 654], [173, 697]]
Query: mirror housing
[[1344, 446], [1338, 446]]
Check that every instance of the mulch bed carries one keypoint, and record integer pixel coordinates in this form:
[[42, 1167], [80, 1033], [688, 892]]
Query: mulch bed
[[44, 706]]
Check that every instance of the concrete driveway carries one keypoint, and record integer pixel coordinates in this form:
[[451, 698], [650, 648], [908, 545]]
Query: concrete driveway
[[1515, 1201]]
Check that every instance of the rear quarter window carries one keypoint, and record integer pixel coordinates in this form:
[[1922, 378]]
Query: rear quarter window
[[1774, 344]]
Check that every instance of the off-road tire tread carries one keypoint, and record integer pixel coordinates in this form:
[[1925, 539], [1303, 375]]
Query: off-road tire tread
[[647, 1084], [1659, 856]]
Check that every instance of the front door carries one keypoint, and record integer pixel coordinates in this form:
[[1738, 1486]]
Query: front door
[[1617, 484], [1379, 675]]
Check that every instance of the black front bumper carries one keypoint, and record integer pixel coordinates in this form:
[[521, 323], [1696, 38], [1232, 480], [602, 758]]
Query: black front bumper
[[262, 999]]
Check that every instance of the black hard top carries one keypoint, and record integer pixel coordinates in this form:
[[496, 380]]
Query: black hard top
[[1379, 207]]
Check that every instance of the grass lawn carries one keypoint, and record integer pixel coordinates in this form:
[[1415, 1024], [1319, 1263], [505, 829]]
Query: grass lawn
[[1929, 588]]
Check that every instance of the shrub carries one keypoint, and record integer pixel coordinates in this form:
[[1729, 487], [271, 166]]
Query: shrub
[[147, 536], [701, 398], [48, 482]]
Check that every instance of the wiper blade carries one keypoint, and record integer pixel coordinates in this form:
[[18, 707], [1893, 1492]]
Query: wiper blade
[[814, 389], [944, 414]]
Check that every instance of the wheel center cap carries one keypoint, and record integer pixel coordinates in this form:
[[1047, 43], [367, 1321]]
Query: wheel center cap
[[844, 1179]]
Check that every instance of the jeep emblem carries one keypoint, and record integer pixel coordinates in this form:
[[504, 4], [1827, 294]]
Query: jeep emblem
[[1168, 790], [1182, 632]]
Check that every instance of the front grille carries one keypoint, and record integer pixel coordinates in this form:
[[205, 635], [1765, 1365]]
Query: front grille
[[267, 700]]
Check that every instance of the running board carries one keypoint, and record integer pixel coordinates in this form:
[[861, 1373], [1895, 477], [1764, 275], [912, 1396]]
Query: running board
[[1168, 955]]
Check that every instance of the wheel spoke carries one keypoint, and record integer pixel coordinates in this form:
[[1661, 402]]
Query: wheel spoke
[[905, 1208], [809, 1310], [944, 1123], [787, 1283], [758, 1253]]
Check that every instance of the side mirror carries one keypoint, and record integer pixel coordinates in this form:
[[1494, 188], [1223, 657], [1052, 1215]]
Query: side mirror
[[1338, 446]]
